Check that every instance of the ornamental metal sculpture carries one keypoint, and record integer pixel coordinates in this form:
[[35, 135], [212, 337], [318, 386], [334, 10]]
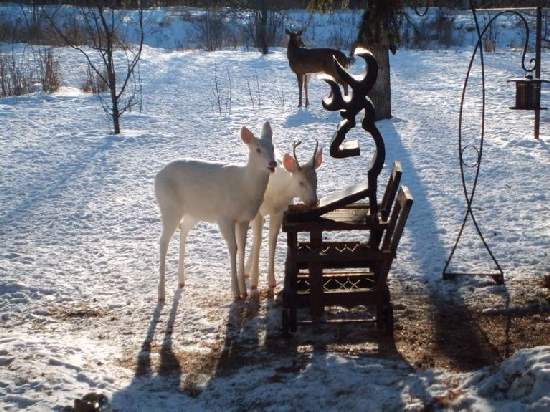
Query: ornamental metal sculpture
[[349, 107]]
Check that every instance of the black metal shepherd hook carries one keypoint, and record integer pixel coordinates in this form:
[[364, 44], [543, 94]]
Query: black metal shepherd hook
[[498, 276]]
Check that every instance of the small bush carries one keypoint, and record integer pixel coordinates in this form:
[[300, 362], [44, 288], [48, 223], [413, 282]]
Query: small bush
[[49, 71], [16, 76], [444, 27], [26, 72], [212, 30], [94, 83]]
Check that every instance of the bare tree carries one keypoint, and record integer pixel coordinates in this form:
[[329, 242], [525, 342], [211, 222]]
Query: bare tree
[[101, 24]]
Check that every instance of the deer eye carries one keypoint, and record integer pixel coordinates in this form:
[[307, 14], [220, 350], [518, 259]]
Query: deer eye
[[302, 184], [258, 150]]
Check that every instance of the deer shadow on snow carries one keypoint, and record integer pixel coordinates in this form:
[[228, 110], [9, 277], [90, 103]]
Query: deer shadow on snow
[[259, 368], [154, 367]]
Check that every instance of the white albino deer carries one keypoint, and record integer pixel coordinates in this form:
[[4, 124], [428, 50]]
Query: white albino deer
[[289, 181], [304, 61], [189, 191]]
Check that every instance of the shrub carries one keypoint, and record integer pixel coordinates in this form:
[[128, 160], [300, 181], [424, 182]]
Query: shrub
[[94, 83], [16, 76], [212, 30], [50, 77]]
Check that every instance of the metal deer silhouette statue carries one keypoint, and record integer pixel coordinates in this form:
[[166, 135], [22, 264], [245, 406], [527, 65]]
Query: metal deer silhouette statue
[[349, 106]]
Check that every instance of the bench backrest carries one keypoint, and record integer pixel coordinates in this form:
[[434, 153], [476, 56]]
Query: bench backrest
[[391, 190], [398, 219]]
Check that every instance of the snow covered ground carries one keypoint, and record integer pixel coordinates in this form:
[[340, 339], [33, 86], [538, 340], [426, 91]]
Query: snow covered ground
[[79, 228]]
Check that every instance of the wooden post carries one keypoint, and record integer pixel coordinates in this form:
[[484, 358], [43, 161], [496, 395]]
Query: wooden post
[[537, 67], [291, 269], [315, 278]]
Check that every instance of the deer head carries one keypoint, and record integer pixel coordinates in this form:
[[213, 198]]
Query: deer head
[[260, 151], [295, 38], [304, 177]]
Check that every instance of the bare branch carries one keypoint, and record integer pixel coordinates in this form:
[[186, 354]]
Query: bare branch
[[137, 56], [69, 43]]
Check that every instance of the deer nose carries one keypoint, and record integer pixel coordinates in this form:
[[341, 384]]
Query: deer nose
[[272, 166]]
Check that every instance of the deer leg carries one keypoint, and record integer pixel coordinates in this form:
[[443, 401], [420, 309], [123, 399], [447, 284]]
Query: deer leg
[[299, 77], [170, 220], [241, 229], [305, 89], [227, 229], [253, 264], [274, 226], [186, 225]]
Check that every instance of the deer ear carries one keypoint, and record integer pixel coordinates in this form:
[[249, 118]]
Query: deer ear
[[318, 158], [289, 163], [267, 133], [246, 135]]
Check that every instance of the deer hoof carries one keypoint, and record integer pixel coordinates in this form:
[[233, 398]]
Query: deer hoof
[[181, 285]]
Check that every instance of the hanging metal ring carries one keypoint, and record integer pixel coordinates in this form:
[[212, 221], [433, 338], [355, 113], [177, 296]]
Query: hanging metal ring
[[478, 156]]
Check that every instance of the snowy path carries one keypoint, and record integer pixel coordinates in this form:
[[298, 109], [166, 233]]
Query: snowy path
[[80, 226]]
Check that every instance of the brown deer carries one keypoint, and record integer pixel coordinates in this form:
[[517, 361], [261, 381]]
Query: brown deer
[[304, 61]]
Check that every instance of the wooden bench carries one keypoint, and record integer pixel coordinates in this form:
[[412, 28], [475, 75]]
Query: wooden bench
[[344, 273]]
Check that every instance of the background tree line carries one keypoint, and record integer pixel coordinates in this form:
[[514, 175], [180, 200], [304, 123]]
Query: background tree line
[[378, 31]]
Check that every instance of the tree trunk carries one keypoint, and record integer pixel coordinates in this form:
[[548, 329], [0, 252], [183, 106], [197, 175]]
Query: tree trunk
[[116, 117], [379, 33], [115, 112], [380, 94], [261, 27]]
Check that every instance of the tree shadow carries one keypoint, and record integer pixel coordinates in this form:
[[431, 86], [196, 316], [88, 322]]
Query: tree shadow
[[457, 333], [47, 188]]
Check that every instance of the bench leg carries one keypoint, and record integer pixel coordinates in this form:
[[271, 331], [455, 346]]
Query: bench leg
[[316, 279], [289, 315]]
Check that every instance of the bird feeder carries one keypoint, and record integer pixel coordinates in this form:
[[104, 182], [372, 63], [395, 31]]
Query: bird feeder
[[528, 93]]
